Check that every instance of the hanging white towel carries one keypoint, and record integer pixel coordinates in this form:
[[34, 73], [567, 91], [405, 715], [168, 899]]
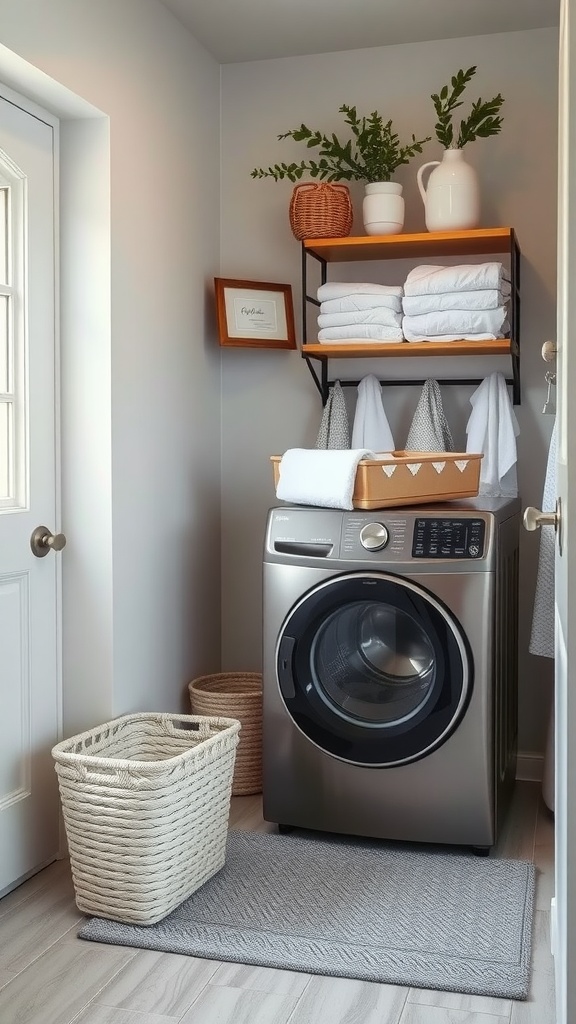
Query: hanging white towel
[[429, 431], [338, 289], [459, 322], [482, 298], [542, 634], [426, 279], [380, 316], [325, 478], [371, 428], [361, 332], [334, 427], [355, 303], [492, 430]]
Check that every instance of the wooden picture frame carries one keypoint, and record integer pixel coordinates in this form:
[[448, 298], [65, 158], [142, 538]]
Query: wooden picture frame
[[254, 314]]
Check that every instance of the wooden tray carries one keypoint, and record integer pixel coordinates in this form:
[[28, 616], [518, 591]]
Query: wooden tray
[[411, 478]]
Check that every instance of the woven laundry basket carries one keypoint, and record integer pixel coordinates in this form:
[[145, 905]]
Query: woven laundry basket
[[146, 800], [236, 695]]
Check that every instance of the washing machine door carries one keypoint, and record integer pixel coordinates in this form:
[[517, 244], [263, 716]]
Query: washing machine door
[[374, 669]]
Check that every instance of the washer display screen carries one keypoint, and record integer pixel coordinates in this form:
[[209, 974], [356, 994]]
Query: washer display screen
[[448, 538]]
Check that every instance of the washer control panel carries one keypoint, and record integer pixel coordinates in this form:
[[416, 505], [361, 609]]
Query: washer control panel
[[448, 538], [374, 536]]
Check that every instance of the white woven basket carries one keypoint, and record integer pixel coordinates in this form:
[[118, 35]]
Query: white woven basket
[[146, 800]]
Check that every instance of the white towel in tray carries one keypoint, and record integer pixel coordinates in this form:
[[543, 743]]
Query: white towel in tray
[[315, 477], [427, 280]]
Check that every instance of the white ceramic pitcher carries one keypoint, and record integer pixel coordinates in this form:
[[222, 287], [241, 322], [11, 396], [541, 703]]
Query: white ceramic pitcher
[[452, 197]]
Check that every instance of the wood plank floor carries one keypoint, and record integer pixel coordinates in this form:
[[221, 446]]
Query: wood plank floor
[[49, 976]]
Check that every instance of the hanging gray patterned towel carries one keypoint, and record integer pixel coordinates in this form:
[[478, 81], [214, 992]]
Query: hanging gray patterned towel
[[334, 427], [430, 431]]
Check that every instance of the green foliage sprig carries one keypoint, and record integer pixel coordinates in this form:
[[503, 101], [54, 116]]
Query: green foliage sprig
[[372, 154], [482, 121]]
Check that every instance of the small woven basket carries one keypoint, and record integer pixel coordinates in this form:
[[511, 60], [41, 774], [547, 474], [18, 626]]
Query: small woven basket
[[235, 695], [146, 801], [320, 211]]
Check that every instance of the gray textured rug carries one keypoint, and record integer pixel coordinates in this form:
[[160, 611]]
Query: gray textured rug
[[355, 909]]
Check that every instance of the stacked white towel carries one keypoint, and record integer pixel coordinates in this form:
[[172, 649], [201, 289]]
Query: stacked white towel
[[359, 312], [453, 303]]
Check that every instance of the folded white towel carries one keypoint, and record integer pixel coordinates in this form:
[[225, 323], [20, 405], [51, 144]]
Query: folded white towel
[[457, 337], [371, 428], [484, 298], [353, 303], [340, 289], [542, 633], [429, 431], [457, 322], [314, 477], [334, 429], [361, 332], [427, 280], [492, 430], [381, 316]]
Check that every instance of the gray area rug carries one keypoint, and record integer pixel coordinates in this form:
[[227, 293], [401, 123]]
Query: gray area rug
[[355, 909]]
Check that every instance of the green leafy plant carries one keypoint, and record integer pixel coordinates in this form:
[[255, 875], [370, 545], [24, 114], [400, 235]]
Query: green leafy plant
[[372, 154], [482, 121]]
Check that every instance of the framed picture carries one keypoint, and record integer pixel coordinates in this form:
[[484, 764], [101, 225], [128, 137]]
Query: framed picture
[[254, 314]]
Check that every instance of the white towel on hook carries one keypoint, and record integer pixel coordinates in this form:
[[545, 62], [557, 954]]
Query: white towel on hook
[[325, 478], [334, 427], [380, 316], [542, 634], [429, 431], [482, 298], [371, 428], [355, 303], [338, 289], [492, 430], [361, 332], [430, 280]]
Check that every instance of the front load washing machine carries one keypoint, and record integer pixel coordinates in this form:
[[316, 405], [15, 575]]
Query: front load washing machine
[[390, 670]]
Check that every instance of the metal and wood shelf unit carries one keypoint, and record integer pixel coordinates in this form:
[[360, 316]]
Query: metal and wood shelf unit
[[480, 241]]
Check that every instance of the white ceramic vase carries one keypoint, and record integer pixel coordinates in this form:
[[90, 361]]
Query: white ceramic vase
[[383, 208], [452, 196]]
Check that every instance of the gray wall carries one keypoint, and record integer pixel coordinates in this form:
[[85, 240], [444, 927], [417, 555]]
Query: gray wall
[[161, 404], [269, 402]]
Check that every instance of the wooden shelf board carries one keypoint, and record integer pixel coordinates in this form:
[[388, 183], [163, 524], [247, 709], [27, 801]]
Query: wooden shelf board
[[478, 241], [359, 349]]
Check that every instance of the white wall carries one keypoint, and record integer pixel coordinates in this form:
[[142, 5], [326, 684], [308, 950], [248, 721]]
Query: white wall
[[269, 400], [160, 91]]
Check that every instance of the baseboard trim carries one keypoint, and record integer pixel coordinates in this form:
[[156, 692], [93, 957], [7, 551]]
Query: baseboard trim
[[530, 767]]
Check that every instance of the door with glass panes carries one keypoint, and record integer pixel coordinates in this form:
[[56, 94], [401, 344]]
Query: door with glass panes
[[29, 686]]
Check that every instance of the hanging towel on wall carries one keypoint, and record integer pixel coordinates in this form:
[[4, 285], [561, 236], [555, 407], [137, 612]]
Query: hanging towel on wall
[[371, 428], [492, 429], [334, 427], [310, 477], [542, 634], [429, 431]]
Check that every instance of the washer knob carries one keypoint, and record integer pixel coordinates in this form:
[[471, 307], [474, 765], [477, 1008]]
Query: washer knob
[[374, 536]]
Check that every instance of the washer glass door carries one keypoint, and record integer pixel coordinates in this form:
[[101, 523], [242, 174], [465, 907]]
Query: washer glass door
[[374, 669]]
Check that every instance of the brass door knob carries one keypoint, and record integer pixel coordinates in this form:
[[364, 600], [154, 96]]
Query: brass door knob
[[42, 541]]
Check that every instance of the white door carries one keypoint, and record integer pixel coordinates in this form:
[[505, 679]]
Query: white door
[[564, 915], [29, 684]]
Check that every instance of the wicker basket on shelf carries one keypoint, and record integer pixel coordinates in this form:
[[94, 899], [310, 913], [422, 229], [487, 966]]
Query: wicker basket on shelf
[[235, 695], [320, 211]]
